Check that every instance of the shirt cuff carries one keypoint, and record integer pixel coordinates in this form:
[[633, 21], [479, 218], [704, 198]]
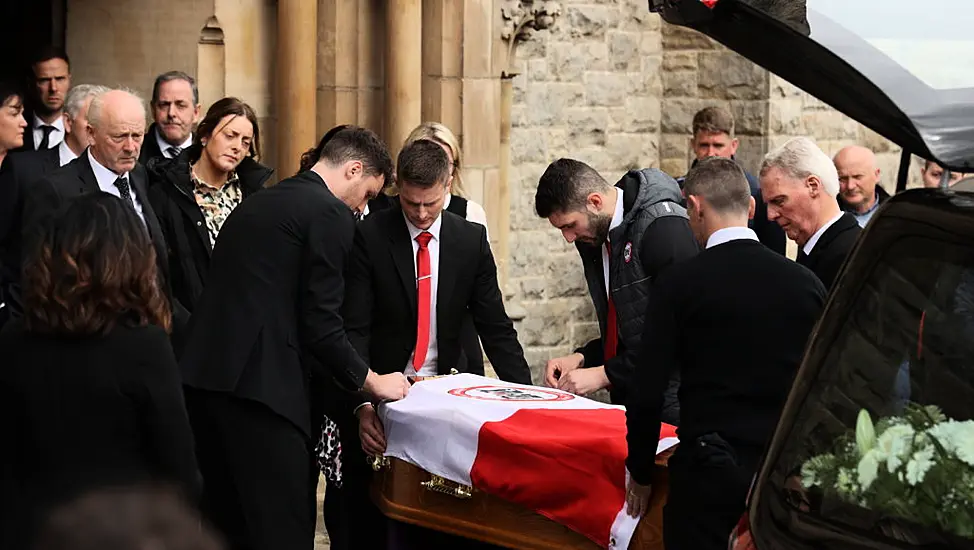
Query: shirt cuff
[[355, 412]]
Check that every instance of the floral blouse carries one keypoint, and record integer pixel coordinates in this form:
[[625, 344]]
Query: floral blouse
[[216, 203]]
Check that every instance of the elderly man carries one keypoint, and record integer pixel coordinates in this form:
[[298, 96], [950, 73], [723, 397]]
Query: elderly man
[[736, 358], [799, 183], [859, 191], [175, 110]]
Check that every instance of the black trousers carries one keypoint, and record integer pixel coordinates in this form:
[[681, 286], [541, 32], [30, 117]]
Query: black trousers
[[258, 473], [709, 481]]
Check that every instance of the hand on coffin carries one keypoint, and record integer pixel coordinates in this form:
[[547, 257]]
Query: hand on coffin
[[584, 381], [386, 387], [557, 368], [637, 498], [370, 431]]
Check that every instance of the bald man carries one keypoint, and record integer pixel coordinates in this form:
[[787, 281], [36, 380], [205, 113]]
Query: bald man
[[859, 191], [116, 125]]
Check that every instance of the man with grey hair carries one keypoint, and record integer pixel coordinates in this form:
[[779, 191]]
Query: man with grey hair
[[735, 357], [175, 111], [799, 183]]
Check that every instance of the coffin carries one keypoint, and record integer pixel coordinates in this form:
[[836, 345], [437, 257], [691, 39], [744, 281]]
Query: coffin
[[513, 466], [406, 493]]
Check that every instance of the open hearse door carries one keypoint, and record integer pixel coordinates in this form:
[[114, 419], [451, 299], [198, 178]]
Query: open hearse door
[[875, 446]]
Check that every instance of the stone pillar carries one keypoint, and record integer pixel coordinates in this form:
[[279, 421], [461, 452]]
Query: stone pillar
[[404, 74], [297, 33]]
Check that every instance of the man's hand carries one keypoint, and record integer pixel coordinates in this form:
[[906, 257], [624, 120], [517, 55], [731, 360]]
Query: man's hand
[[370, 431], [386, 387], [584, 381], [637, 498], [557, 368]]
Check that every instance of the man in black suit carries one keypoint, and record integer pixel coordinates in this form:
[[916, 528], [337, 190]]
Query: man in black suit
[[736, 357], [268, 319], [800, 184], [51, 79], [415, 271], [175, 110], [26, 168]]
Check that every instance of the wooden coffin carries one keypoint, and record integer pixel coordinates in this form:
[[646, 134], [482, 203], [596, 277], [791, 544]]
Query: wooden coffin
[[409, 494]]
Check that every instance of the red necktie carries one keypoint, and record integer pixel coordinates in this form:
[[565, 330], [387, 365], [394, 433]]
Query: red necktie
[[611, 341], [424, 286]]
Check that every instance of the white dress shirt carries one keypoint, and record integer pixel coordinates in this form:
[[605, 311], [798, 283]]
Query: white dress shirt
[[57, 136], [728, 234], [818, 234], [165, 145], [617, 217], [65, 154], [432, 353], [106, 182]]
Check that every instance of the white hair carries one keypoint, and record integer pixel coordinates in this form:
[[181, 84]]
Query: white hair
[[799, 158], [98, 103], [77, 96]]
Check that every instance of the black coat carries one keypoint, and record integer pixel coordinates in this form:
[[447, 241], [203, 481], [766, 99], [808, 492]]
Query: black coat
[[81, 413], [830, 251], [182, 221], [271, 318]]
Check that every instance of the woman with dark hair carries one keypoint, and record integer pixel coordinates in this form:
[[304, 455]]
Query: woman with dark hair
[[90, 392], [195, 192], [12, 126]]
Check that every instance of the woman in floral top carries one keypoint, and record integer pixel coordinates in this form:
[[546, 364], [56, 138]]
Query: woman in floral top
[[194, 193]]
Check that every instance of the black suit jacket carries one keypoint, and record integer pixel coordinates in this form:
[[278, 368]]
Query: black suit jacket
[[19, 171], [381, 298], [81, 413], [150, 146], [270, 313], [831, 250]]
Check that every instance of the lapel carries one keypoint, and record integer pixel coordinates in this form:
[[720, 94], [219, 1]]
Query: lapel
[[401, 249], [450, 252], [88, 183], [839, 227], [52, 160], [137, 179]]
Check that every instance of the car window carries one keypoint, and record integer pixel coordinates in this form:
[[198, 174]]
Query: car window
[[884, 439]]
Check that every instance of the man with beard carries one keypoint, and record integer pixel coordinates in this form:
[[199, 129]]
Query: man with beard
[[626, 235], [175, 110], [51, 71]]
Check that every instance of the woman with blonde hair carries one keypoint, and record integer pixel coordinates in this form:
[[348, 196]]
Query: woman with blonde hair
[[455, 200], [471, 353]]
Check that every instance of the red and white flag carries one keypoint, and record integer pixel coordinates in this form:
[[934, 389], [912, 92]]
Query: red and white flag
[[558, 454]]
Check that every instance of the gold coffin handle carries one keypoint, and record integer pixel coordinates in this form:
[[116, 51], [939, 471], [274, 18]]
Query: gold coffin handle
[[377, 462], [441, 485]]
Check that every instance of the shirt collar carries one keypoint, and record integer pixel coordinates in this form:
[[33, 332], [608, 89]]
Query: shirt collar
[[164, 145], [415, 231], [728, 234], [65, 154], [198, 183], [619, 213], [105, 177], [807, 249], [58, 123]]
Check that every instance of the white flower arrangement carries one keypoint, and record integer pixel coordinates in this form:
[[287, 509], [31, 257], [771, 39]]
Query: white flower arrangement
[[918, 467]]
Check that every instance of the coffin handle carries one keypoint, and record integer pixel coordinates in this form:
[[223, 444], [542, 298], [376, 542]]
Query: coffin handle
[[441, 485]]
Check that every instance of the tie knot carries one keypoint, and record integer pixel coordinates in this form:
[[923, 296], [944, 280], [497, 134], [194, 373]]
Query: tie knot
[[424, 239], [47, 129], [174, 151]]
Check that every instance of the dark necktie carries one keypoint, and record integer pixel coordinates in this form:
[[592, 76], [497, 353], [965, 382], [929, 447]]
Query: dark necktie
[[611, 342], [174, 151], [424, 287], [46, 140], [124, 190]]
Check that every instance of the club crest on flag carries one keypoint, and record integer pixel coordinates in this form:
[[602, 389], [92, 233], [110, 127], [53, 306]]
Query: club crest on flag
[[508, 393], [627, 252]]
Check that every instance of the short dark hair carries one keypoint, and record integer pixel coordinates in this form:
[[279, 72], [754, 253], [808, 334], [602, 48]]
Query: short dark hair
[[10, 90], [311, 156], [227, 106], [169, 77], [713, 120], [565, 187], [722, 183], [93, 268], [47, 53], [361, 144], [423, 163], [126, 518]]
